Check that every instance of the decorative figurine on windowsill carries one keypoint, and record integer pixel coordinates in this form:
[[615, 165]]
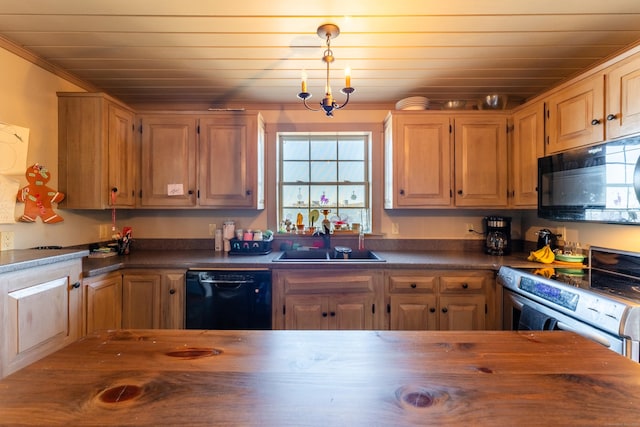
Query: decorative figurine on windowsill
[[38, 198]]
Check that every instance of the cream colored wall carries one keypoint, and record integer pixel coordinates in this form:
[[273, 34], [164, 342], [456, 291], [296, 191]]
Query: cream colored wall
[[29, 100]]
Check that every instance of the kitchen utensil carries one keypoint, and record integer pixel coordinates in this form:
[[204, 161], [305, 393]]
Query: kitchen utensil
[[493, 102], [457, 104]]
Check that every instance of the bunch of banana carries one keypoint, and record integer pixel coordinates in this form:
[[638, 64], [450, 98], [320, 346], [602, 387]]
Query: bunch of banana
[[544, 255]]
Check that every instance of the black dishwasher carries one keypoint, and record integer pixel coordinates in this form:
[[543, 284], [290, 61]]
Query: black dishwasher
[[223, 299]]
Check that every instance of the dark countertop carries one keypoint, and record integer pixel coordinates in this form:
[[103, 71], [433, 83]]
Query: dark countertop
[[21, 259], [320, 378], [195, 259]]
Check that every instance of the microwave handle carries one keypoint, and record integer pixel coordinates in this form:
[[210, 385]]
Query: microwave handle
[[589, 335]]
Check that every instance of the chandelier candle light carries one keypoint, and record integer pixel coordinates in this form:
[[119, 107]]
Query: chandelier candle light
[[328, 104]]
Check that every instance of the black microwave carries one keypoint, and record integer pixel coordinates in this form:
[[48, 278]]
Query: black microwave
[[599, 183]]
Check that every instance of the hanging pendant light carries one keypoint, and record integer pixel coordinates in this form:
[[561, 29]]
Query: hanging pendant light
[[328, 104]]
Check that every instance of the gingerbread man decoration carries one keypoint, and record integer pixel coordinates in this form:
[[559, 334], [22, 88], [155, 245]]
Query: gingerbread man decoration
[[38, 198]]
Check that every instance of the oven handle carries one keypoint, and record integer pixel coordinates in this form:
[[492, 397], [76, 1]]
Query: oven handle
[[593, 337]]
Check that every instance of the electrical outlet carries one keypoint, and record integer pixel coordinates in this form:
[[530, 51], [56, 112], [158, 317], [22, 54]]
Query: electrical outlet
[[395, 228], [468, 229], [6, 240], [104, 231], [212, 229]]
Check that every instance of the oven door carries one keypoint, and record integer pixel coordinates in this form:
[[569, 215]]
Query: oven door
[[512, 309]]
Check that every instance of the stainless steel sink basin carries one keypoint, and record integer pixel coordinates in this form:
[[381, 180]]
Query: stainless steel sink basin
[[327, 256]]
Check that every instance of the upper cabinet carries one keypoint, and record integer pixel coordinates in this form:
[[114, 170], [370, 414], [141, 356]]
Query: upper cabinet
[[427, 160], [231, 161], [168, 173], [97, 157], [209, 161], [623, 98], [481, 160], [527, 145], [575, 115], [418, 161]]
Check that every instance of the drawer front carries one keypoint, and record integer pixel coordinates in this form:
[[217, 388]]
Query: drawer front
[[419, 284], [454, 284]]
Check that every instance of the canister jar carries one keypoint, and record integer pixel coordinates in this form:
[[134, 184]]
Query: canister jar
[[257, 235], [248, 235]]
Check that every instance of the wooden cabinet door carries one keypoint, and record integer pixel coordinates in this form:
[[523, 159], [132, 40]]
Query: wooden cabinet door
[[352, 312], [168, 161], [141, 301], [462, 313], [421, 168], [123, 159], [172, 300], [103, 308], [309, 312], [96, 151], [41, 312], [415, 312], [527, 146], [575, 115], [328, 299], [481, 161], [623, 98], [228, 162]]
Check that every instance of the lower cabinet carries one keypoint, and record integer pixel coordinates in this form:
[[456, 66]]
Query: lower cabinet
[[328, 299], [135, 299], [41, 312], [103, 302], [441, 300], [153, 300]]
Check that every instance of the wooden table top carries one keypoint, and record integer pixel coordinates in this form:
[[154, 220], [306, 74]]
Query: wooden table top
[[337, 378]]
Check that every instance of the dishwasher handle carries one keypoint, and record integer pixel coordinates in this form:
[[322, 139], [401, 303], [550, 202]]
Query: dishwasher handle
[[227, 284]]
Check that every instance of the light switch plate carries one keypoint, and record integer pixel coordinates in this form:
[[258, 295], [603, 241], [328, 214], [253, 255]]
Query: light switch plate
[[6, 240]]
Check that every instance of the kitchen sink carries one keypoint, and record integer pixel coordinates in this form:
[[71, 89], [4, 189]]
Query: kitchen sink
[[327, 256]]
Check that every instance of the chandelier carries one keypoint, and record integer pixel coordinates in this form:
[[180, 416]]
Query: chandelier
[[328, 104]]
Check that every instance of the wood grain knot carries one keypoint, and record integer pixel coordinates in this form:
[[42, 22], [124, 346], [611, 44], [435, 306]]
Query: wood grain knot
[[120, 393], [485, 370], [420, 397], [194, 353]]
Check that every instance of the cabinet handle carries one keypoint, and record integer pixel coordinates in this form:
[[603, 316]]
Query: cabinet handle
[[172, 291], [190, 192], [444, 310], [432, 310], [413, 286], [596, 122], [612, 117], [248, 192], [460, 192], [333, 314], [465, 285], [324, 314], [114, 189], [402, 192], [75, 285]]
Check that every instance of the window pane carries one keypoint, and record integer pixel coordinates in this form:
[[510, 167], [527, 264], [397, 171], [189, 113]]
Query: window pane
[[295, 195], [351, 150], [324, 172], [295, 171], [295, 149], [323, 150], [351, 196], [351, 172], [323, 196]]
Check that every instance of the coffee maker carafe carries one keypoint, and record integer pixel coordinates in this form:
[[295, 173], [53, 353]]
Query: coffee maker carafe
[[498, 235]]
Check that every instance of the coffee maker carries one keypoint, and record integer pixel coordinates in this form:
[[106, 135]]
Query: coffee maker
[[498, 235]]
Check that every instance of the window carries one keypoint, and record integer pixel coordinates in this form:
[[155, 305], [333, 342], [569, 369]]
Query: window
[[324, 172]]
